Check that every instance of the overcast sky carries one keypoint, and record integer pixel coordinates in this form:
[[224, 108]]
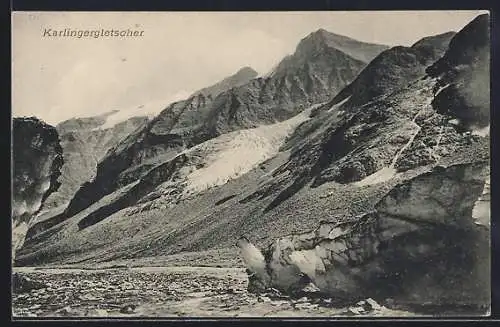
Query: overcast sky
[[56, 78]]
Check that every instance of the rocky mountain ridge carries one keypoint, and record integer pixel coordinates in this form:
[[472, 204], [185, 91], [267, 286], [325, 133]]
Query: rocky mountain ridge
[[86, 140], [297, 84], [361, 170], [241, 77], [394, 67]]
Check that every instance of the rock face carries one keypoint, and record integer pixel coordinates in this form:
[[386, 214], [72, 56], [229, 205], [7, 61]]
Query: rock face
[[322, 65], [420, 242], [37, 161], [84, 144], [464, 76]]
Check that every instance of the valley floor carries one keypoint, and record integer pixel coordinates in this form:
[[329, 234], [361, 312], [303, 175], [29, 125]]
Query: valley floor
[[166, 292]]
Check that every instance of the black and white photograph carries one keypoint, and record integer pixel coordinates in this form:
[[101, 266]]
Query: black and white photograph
[[239, 164]]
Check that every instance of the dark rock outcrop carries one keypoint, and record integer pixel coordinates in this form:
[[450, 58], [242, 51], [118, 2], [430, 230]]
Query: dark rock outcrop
[[394, 68], [84, 144], [37, 160], [463, 76]]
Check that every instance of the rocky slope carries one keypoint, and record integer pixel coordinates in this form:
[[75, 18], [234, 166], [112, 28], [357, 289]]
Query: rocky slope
[[358, 171], [322, 65], [37, 161]]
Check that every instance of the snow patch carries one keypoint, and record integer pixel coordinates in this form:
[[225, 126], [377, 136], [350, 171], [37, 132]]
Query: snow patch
[[440, 136], [484, 132], [335, 106], [441, 89], [120, 116], [380, 176], [434, 149], [150, 109], [387, 173], [481, 213]]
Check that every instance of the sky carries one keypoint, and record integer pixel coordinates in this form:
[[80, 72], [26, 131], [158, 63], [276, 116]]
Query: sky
[[56, 78]]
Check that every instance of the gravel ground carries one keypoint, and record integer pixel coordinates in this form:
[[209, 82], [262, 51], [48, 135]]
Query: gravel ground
[[166, 292]]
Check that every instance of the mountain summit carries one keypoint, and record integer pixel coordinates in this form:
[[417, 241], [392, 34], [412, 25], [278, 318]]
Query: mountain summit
[[321, 44], [242, 76], [321, 38]]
